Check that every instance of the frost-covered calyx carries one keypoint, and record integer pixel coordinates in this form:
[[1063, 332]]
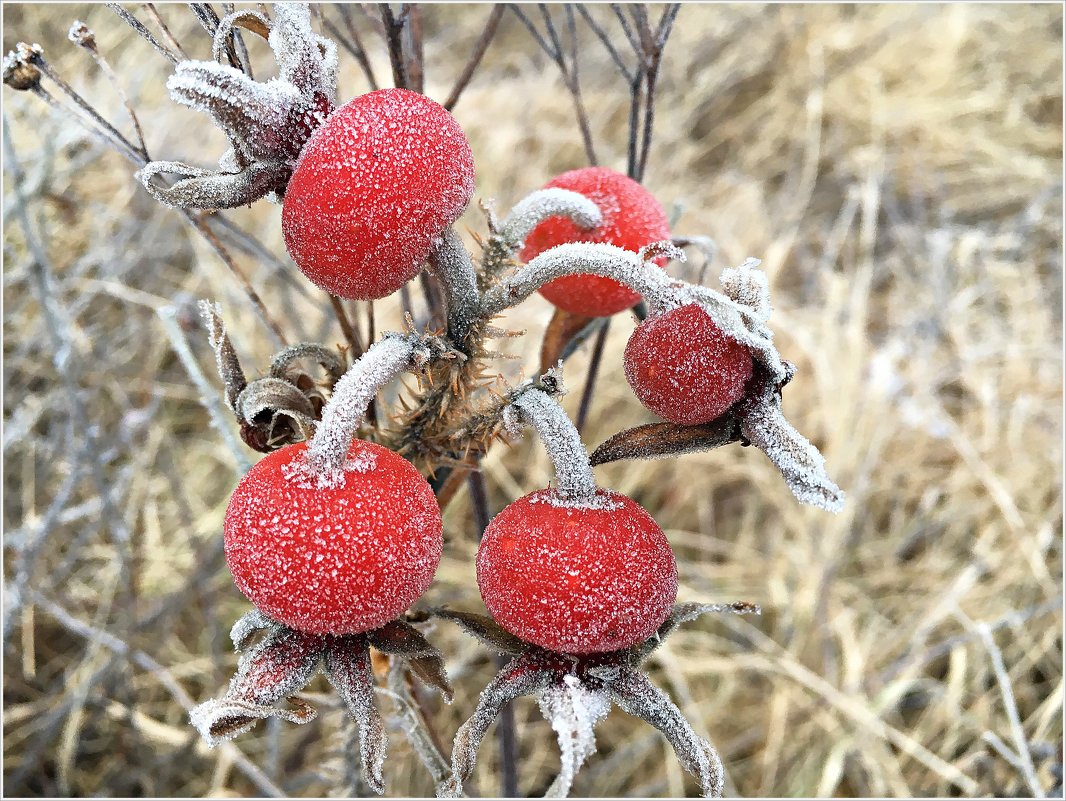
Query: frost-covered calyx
[[267, 124], [575, 692]]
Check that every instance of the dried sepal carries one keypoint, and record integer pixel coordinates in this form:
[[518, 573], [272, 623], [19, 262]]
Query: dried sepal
[[800, 463], [634, 693], [681, 614], [573, 710], [658, 440], [321, 354], [277, 409], [523, 675], [349, 670], [229, 366], [664, 249], [564, 334], [401, 639], [203, 189], [305, 59], [247, 19], [748, 286], [247, 626], [276, 668], [487, 630]]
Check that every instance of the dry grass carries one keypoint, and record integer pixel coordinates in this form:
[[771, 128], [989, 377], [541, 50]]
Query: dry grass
[[898, 170]]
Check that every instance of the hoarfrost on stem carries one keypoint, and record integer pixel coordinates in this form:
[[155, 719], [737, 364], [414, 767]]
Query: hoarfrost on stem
[[538, 206], [573, 710]]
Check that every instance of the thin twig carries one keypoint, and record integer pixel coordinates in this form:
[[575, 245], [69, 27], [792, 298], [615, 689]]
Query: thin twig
[[601, 34], [505, 729], [154, 14], [476, 55], [413, 47], [355, 344], [593, 371], [144, 33], [354, 47], [393, 28]]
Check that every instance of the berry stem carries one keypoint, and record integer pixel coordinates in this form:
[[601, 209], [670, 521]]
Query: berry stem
[[538, 206], [453, 266], [353, 393], [573, 473], [575, 258]]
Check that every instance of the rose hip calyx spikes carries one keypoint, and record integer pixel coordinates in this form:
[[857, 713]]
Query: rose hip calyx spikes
[[373, 192], [267, 123], [575, 691]]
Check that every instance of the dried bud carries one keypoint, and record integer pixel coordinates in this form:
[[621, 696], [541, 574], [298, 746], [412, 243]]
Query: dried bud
[[82, 35], [20, 69]]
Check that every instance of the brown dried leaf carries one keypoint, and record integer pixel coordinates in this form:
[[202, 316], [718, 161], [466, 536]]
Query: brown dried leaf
[[656, 440], [487, 630], [405, 641], [565, 332]]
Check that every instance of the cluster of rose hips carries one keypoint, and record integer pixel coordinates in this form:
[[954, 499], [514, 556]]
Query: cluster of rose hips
[[334, 538]]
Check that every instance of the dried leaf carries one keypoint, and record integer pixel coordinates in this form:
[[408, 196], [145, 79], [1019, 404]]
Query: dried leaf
[[657, 440], [348, 670], [635, 694], [229, 366], [223, 719], [573, 710], [487, 630], [564, 334], [518, 677], [430, 669], [681, 614]]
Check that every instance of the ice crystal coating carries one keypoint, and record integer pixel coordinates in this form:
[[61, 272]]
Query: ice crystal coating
[[452, 263], [632, 218], [538, 206], [275, 668], [349, 670], [682, 367], [351, 395], [800, 463], [576, 579], [338, 559], [573, 710], [576, 484], [374, 189], [267, 124]]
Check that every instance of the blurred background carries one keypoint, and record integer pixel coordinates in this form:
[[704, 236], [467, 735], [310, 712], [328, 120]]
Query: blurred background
[[898, 170]]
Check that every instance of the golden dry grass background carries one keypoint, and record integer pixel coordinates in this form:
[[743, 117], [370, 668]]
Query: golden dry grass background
[[898, 170]]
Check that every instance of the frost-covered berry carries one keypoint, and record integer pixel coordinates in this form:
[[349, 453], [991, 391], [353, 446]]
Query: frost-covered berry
[[373, 190], [577, 579], [632, 218], [339, 557], [684, 368]]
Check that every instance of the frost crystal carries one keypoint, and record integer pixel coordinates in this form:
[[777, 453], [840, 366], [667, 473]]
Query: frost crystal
[[538, 206], [572, 710], [576, 484], [452, 263]]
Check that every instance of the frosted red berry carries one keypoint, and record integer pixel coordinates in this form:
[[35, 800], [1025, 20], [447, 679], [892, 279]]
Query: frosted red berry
[[335, 560], [577, 580], [632, 218], [684, 368], [373, 190]]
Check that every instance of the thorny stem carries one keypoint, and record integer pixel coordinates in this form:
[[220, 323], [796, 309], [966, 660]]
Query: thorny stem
[[561, 441]]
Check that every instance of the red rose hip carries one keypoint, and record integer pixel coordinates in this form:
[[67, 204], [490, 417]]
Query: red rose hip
[[682, 367], [632, 218], [577, 579], [373, 190], [338, 559]]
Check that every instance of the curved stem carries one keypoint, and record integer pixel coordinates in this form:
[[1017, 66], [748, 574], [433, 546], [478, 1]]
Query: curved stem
[[351, 395], [453, 266], [657, 288], [538, 206], [573, 473]]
